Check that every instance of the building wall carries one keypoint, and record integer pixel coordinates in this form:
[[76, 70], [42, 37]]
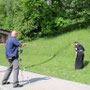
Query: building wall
[[4, 32], [4, 36], [0, 39]]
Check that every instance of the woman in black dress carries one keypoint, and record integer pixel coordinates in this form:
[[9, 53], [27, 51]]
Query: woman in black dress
[[79, 55]]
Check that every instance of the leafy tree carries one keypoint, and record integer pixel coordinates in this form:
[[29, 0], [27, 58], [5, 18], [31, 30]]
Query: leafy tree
[[37, 18]]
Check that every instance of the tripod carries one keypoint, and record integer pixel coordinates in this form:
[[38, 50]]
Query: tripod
[[22, 65]]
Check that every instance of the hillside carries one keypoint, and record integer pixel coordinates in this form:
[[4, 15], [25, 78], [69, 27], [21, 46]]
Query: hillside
[[56, 56]]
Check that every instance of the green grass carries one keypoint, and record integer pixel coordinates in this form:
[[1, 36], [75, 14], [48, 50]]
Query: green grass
[[56, 56]]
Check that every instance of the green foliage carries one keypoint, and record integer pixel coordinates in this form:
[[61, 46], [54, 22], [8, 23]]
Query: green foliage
[[77, 9], [35, 18]]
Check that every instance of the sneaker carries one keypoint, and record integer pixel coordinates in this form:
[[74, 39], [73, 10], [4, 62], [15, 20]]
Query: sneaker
[[18, 85], [4, 83]]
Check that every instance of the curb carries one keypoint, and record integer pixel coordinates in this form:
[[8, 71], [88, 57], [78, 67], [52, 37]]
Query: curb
[[2, 88]]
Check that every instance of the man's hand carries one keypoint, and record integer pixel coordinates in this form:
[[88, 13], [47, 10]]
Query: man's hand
[[25, 44]]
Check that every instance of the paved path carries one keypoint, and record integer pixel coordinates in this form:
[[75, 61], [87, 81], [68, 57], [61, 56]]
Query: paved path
[[32, 81]]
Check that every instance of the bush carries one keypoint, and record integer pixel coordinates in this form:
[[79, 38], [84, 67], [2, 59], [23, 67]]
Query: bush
[[35, 18]]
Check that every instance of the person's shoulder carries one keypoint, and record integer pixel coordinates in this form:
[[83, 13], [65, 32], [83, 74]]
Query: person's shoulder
[[81, 45], [12, 38]]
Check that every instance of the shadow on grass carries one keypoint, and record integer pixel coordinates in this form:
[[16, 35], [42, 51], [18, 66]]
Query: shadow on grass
[[33, 80], [86, 63], [44, 61], [69, 28]]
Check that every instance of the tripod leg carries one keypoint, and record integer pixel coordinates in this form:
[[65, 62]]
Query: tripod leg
[[23, 67], [21, 70]]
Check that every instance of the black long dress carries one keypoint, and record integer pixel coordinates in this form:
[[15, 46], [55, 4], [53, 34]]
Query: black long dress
[[80, 57]]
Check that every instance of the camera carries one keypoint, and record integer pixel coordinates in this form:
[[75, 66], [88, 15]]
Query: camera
[[20, 51]]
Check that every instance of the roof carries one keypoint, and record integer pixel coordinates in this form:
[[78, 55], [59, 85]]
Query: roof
[[5, 30]]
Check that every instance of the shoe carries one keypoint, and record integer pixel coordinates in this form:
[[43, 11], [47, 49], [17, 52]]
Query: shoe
[[4, 83], [18, 85]]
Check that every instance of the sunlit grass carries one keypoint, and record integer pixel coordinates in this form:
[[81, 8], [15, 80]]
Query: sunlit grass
[[56, 56]]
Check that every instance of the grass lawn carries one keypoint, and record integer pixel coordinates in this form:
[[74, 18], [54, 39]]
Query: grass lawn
[[56, 57]]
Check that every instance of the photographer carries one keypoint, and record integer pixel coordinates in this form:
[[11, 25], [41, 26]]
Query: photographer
[[12, 55], [79, 55]]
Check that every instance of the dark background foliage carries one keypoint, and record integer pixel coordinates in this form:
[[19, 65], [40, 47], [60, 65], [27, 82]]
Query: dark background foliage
[[36, 18]]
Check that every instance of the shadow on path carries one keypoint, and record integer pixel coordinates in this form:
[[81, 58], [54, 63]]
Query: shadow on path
[[33, 80]]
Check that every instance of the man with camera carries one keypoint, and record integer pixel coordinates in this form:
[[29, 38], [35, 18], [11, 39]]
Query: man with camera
[[12, 55]]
